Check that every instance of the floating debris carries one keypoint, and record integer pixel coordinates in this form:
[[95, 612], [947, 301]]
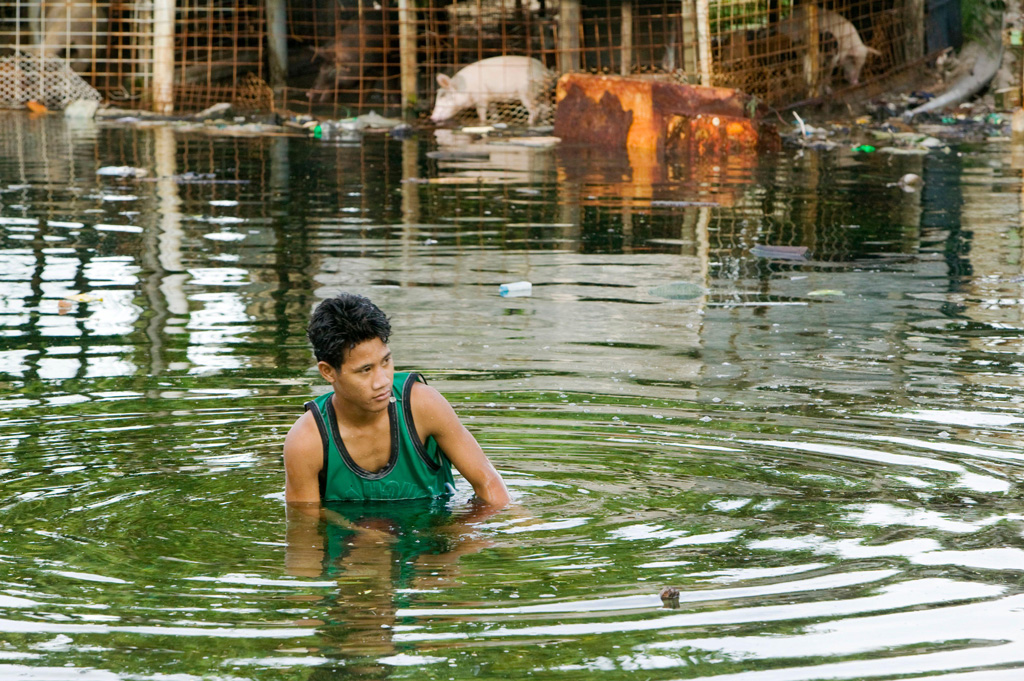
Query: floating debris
[[678, 290], [83, 298], [779, 252], [536, 142], [118, 228], [224, 236], [81, 110], [684, 204], [122, 171], [516, 289], [821, 293], [901, 151], [457, 155], [909, 183]]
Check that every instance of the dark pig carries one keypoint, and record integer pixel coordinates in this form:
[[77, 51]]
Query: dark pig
[[356, 55]]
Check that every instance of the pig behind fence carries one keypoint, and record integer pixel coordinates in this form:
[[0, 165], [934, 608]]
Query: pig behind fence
[[493, 80], [75, 30], [358, 54], [851, 52]]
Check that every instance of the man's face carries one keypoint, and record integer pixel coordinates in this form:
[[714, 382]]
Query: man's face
[[364, 379]]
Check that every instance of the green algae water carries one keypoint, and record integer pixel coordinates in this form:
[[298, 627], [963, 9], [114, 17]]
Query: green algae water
[[819, 448]]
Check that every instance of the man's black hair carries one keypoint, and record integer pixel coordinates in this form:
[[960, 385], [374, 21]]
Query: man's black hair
[[343, 322]]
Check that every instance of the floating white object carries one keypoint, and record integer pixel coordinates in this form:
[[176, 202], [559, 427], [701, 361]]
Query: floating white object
[[122, 171], [515, 289]]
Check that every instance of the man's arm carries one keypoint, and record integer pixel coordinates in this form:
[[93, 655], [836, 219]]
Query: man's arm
[[433, 416], [303, 458]]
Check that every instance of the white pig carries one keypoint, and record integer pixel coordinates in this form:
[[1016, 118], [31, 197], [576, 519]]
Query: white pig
[[491, 80], [851, 52]]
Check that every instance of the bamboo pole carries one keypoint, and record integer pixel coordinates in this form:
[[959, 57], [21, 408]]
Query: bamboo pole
[[626, 67], [407, 53], [704, 41], [163, 56], [277, 45]]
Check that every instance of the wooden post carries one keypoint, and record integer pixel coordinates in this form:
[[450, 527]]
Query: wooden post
[[569, 18], [812, 61], [914, 21], [688, 17], [626, 67], [277, 45], [407, 53], [704, 41], [163, 56]]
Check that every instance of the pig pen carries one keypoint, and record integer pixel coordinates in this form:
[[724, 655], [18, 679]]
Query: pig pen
[[338, 58], [763, 47]]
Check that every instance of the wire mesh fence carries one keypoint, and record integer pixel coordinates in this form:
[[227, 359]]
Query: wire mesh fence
[[350, 56]]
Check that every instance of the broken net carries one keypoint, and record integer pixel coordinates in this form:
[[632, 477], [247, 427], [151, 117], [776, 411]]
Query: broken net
[[47, 80]]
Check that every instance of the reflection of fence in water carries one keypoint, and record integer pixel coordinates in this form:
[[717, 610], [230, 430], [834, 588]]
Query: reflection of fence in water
[[130, 247]]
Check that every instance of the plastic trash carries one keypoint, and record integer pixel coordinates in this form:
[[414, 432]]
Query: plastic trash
[[909, 183], [515, 289], [863, 148], [122, 171], [81, 110]]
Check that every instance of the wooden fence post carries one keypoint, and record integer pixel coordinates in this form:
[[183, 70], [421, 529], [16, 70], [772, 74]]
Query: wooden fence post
[[812, 62], [704, 41], [277, 45], [688, 19], [163, 56], [626, 67], [914, 21], [570, 16], [407, 53]]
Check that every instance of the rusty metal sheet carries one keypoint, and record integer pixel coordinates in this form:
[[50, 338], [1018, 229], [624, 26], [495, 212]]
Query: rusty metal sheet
[[659, 116]]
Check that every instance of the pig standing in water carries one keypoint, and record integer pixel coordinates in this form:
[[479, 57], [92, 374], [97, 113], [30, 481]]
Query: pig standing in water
[[357, 54], [491, 80]]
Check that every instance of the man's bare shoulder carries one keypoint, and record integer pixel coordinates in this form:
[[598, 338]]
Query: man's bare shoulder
[[303, 460], [428, 402], [303, 443], [431, 410], [423, 394]]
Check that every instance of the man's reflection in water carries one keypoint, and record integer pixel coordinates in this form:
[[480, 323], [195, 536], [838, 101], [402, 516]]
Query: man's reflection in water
[[378, 552]]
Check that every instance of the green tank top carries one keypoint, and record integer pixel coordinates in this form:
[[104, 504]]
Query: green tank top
[[415, 470]]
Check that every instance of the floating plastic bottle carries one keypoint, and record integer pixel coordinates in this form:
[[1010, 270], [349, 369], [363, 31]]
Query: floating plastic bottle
[[515, 289]]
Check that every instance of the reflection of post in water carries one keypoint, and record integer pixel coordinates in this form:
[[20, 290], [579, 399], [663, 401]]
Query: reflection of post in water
[[377, 552], [942, 202], [410, 207], [161, 255]]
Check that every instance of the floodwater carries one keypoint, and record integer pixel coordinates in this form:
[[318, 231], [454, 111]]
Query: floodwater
[[821, 452]]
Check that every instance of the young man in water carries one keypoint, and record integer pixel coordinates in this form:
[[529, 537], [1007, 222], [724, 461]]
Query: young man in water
[[378, 435]]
